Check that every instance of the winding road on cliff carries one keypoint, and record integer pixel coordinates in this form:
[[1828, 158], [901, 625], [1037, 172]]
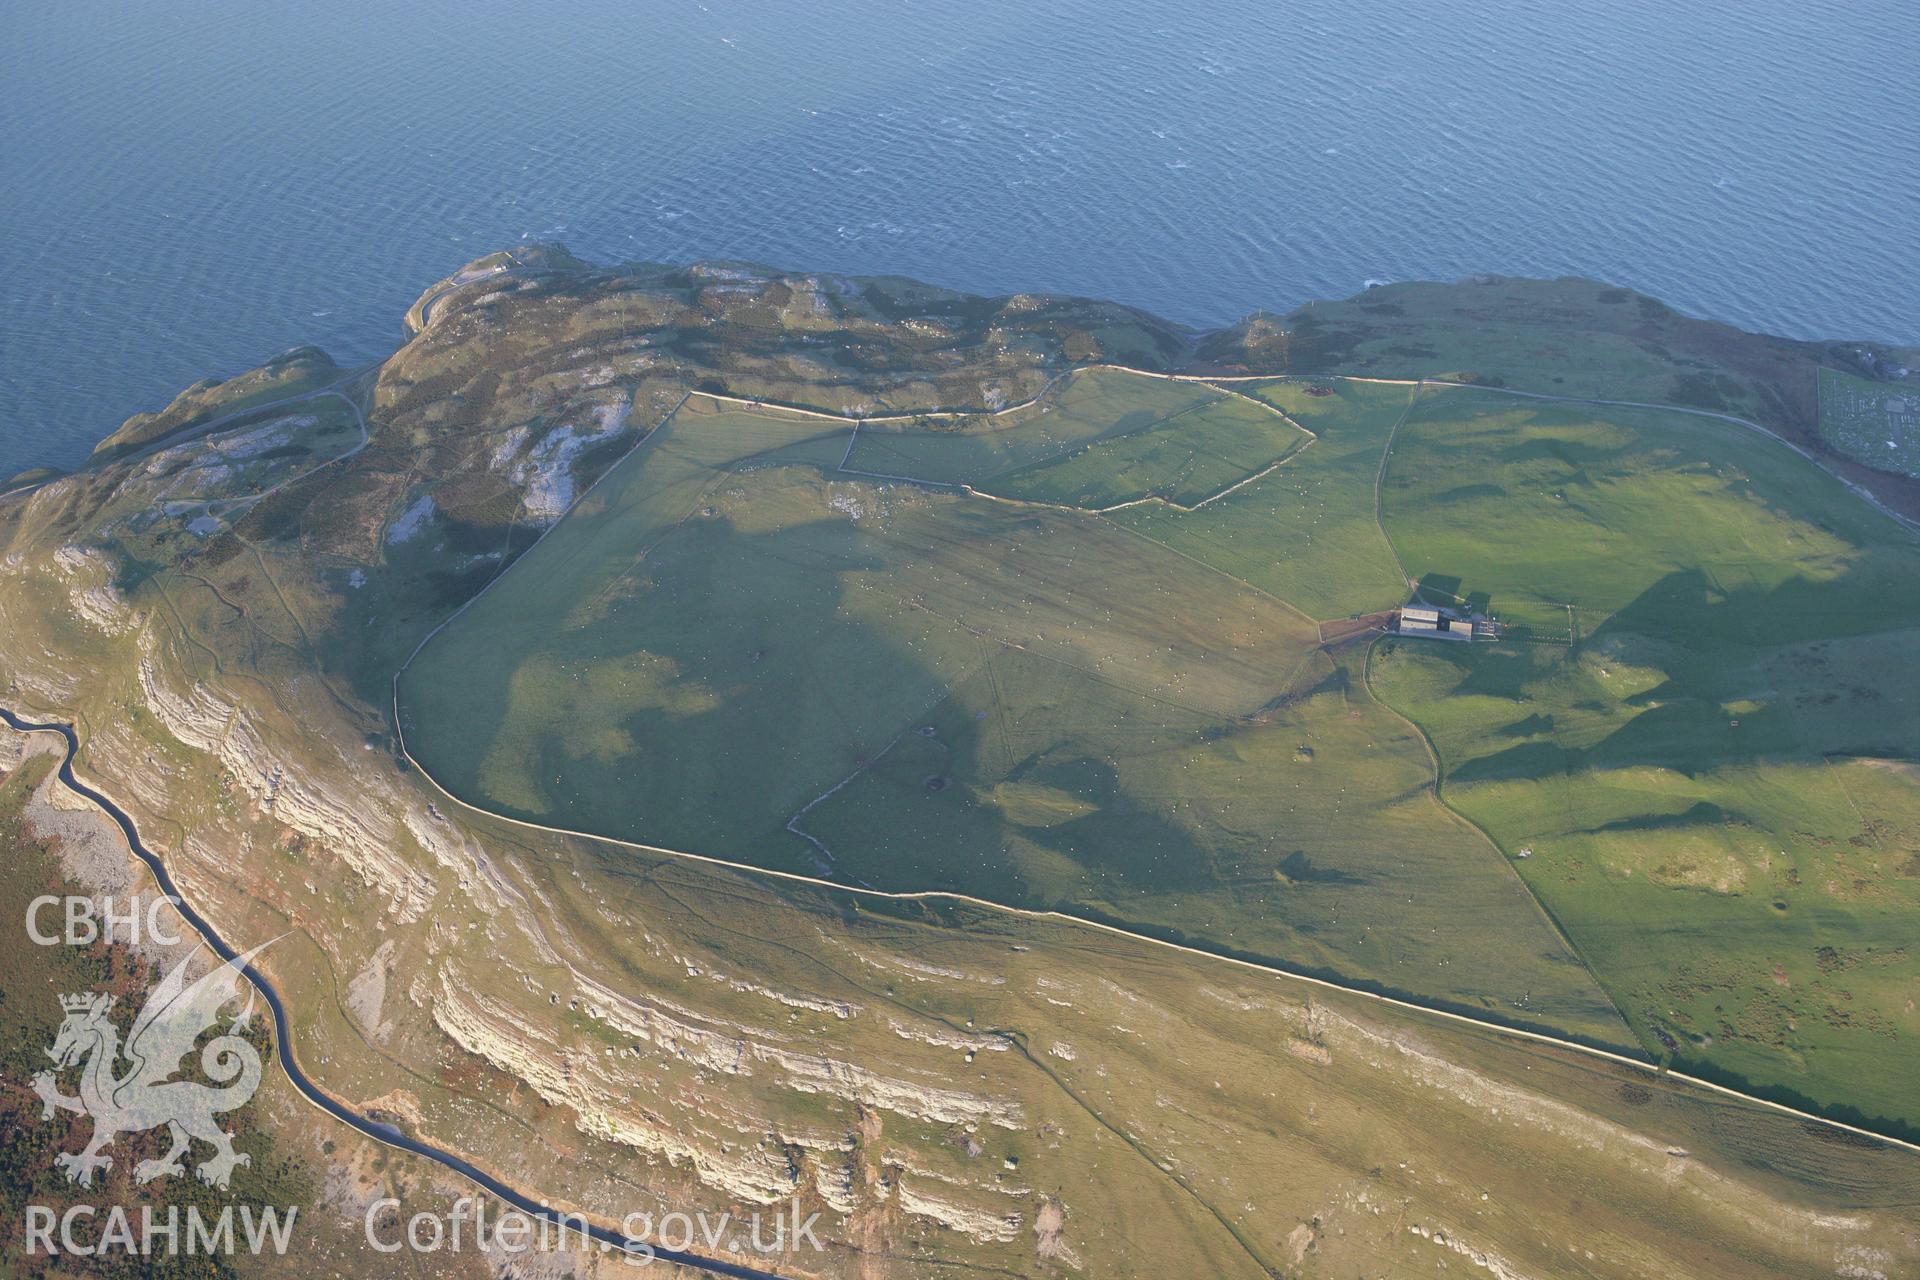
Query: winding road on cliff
[[283, 1042]]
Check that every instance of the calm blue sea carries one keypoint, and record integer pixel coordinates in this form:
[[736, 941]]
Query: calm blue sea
[[187, 188]]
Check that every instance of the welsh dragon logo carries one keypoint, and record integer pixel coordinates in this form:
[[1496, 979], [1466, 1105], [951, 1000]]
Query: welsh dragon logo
[[142, 1096]]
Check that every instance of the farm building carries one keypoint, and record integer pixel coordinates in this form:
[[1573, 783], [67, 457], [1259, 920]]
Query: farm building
[[1443, 624], [1417, 620]]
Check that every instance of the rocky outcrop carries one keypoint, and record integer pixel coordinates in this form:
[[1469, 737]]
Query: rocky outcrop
[[88, 575], [736, 1052], [361, 827], [564, 1074], [986, 1225]]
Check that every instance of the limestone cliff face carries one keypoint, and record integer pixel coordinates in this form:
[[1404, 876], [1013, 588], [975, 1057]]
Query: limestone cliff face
[[365, 826]]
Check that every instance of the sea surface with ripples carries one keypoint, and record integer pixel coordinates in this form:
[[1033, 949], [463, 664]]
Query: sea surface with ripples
[[187, 189]]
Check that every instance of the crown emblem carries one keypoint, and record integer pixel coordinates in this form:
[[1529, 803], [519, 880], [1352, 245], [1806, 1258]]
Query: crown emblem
[[84, 1001]]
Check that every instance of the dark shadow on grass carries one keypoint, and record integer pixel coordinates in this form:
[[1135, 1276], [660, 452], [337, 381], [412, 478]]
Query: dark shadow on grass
[[1532, 727], [1298, 868], [1703, 814], [1527, 762]]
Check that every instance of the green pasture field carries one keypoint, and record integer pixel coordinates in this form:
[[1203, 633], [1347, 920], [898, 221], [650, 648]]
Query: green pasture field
[[712, 640], [1712, 789], [1877, 423], [1088, 406], [735, 648], [1101, 438], [1184, 460], [471, 699], [1307, 532], [1536, 506], [1559, 337], [1032, 705], [1421, 330], [1310, 835]]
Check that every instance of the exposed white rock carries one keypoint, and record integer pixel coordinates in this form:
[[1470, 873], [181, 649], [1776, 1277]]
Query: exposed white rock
[[987, 1226], [853, 501], [756, 1173], [841, 1009], [1862, 1262], [90, 849], [945, 1039], [15, 746], [197, 719], [1500, 1268], [733, 1052], [604, 1001], [254, 441], [547, 469], [44, 504], [919, 970], [367, 992], [813, 1073], [1049, 1234], [508, 448], [359, 827], [906, 1163], [94, 856], [441, 842], [412, 520], [837, 1182], [36, 675], [681, 1040], [88, 577]]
